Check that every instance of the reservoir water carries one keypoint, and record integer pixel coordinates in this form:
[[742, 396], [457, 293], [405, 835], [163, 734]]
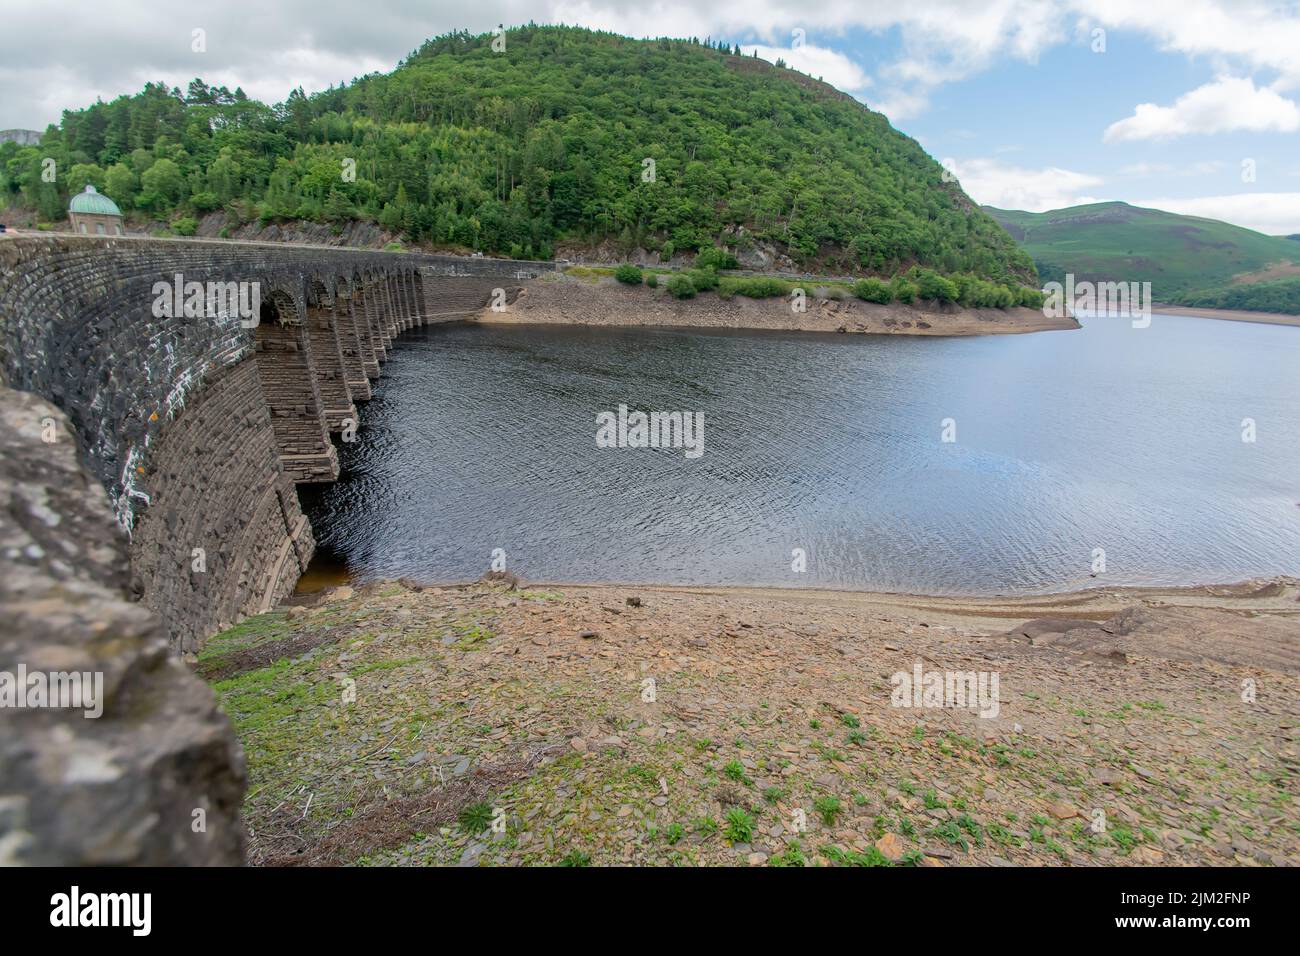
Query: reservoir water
[[1109, 446]]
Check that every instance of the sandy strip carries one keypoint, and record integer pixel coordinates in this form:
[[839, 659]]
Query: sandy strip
[[1230, 315]]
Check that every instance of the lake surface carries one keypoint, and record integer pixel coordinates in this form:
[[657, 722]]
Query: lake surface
[[1114, 438]]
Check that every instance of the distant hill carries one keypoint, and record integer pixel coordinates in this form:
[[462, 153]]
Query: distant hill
[[566, 138], [1187, 259]]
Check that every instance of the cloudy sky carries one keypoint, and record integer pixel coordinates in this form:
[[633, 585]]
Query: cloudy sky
[[1187, 105]]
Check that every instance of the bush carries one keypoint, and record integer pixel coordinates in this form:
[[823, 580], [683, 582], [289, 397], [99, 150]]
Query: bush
[[715, 258], [652, 280], [666, 251], [1029, 298], [872, 290], [904, 290], [185, 226], [752, 287], [931, 285], [629, 274], [680, 286], [703, 279]]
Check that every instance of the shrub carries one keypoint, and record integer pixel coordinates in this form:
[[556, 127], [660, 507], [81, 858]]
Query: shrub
[[629, 274], [652, 280], [1030, 298], [666, 251], [703, 279], [752, 287], [931, 285], [185, 226], [680, 286], [715, 258], [904, 290], [872, 290]]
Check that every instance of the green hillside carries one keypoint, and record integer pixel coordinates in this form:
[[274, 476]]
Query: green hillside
[[513, 152], [1186, 259]]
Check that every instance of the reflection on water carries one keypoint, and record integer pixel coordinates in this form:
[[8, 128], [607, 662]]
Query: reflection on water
[[1112, 439]]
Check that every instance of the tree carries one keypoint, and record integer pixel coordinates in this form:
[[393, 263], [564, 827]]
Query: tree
[[120, 185], [161, 186]]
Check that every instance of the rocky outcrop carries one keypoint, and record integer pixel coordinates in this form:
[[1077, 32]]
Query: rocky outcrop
[[157, 778]]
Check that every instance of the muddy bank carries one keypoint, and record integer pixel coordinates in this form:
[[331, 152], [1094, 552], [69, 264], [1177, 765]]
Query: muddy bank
[[611, 725], [569, 300]]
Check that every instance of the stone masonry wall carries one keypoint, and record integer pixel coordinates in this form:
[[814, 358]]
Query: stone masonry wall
[[198, 426]]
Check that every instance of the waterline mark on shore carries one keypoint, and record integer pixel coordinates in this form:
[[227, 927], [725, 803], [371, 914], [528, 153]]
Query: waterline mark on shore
[[625, 429], [960, 690], [1103, 299], [71, 690], [208, 300]]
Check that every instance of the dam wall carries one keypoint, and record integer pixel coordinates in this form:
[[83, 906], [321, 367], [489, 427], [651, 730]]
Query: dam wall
[[204, 380]]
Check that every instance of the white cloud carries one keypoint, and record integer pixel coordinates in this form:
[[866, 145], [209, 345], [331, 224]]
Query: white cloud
[[1228, 103], [53, 55], [993, 183], [1277, 214], [833, 67], [1262, 34]]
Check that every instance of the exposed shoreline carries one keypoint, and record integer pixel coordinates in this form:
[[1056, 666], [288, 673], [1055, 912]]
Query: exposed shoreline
[[1276, 595], [617, 725], [1228, 315], [559, 299]]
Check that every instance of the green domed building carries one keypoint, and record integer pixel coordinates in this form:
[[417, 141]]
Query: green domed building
[[94, 214]]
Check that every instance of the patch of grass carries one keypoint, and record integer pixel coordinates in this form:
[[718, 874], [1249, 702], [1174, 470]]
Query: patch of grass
[[706, 826], [850, 720], [735, 770], [869, 857], [828, 808], [576, 858], [791, 856], [740, 825], [951, 833], [476, 817]]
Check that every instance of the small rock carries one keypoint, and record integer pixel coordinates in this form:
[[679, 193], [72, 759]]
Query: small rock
[[1062, 811], [890, 847]]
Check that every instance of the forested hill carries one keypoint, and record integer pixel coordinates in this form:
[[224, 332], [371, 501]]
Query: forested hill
[[511, 152]]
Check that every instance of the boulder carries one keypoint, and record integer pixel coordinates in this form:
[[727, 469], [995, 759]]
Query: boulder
[[156, 778]]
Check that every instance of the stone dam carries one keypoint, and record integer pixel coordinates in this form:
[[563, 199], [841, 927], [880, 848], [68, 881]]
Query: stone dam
[[148, 460]]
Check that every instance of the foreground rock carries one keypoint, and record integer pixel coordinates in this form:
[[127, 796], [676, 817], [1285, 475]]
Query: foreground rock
[[158, 778], [707, 726]]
